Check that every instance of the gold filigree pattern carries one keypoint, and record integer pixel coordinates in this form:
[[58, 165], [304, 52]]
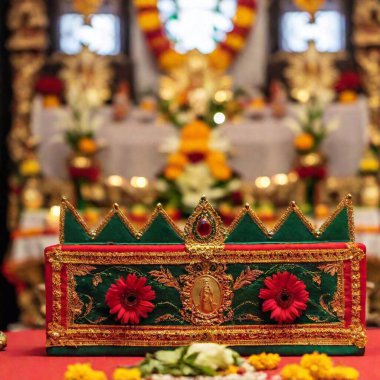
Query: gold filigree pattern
[[205, 245], [336, 334], [207, 295]]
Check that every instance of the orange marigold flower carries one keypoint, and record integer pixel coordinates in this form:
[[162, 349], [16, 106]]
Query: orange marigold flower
[[220, 59], [304, 142], [244, 17], [172, 172], [235, 41], [196, 130], [221, 172], [87, 145], [194, 146], [149, 20], [170, 59], [177, 159], [317, 364], [215, 157], [295, 372], [145, 3]]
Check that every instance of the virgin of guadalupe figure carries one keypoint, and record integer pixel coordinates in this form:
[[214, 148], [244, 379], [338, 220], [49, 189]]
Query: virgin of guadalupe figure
[[207, 301]]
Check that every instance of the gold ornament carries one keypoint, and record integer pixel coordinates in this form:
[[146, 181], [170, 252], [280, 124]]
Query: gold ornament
[[87, 78], [311, 74], [3, 341], [196, 83]]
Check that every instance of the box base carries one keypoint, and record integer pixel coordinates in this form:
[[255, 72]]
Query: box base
[[243, 350]]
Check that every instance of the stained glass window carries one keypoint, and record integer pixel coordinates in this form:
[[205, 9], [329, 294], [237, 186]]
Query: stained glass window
[[197, 24], [102, 36], [328, 31]]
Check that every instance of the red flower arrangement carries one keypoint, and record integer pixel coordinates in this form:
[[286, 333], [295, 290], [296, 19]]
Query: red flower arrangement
[[349, 80], [130, 298], [49, 85], [286, 297]]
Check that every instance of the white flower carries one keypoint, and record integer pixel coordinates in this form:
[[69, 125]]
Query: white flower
[[219, 142], [212, 355]]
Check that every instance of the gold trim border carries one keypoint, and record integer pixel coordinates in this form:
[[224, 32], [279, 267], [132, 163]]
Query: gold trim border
[[244, 335]]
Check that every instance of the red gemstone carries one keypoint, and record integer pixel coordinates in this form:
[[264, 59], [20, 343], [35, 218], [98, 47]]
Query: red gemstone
[[204, 227]]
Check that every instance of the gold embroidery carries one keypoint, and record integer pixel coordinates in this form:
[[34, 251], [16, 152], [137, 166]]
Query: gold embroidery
[[82, 335], [206, 296], [204, 245]]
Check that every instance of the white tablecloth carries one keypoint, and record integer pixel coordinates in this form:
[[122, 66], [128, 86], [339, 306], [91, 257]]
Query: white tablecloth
[[262, 147]]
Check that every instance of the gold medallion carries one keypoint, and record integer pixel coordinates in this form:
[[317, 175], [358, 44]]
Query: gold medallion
[[206, 294]]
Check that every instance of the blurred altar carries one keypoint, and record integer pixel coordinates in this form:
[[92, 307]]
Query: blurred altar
[[138, 102]]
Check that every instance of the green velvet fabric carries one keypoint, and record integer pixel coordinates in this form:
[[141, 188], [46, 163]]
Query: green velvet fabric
[[338, 230], [293, 230], [243, 350], [160, 232], [116, 232], [246, 305], [73, 232], [247, 231]]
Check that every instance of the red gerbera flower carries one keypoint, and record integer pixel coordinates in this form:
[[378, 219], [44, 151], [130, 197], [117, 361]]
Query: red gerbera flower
[[129, 299], [286, 296]]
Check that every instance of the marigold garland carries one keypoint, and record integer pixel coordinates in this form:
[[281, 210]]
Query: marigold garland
[[148, 16], [264, 361]]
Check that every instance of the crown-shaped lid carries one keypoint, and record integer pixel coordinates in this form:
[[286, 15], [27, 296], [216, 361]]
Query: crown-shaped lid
[[205, 228]]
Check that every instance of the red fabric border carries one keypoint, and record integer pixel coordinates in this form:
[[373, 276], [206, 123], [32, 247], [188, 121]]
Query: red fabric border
[[64, 295], [49, 292], [347, 276], [181, 247], [363, 287]]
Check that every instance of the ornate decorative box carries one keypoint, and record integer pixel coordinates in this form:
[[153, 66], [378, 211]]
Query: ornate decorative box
[[291, 290]]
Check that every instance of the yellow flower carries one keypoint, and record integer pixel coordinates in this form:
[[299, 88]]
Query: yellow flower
[[220, 58], [235, 41], [295, 372], [369, 164], [342, 373], [87, 145], [170, 59], [30, 167], [177, 159], [145, 3], [149, 20], [244, 17], [172, 172], [127, 374], [215, 157], [264, 361], [348, 96], [196, 130], [231, 370], [221, 172], [304, 142], [82, 371], [317, 364]]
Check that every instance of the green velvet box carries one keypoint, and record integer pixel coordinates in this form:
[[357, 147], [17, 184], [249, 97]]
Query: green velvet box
[[291, 290]]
